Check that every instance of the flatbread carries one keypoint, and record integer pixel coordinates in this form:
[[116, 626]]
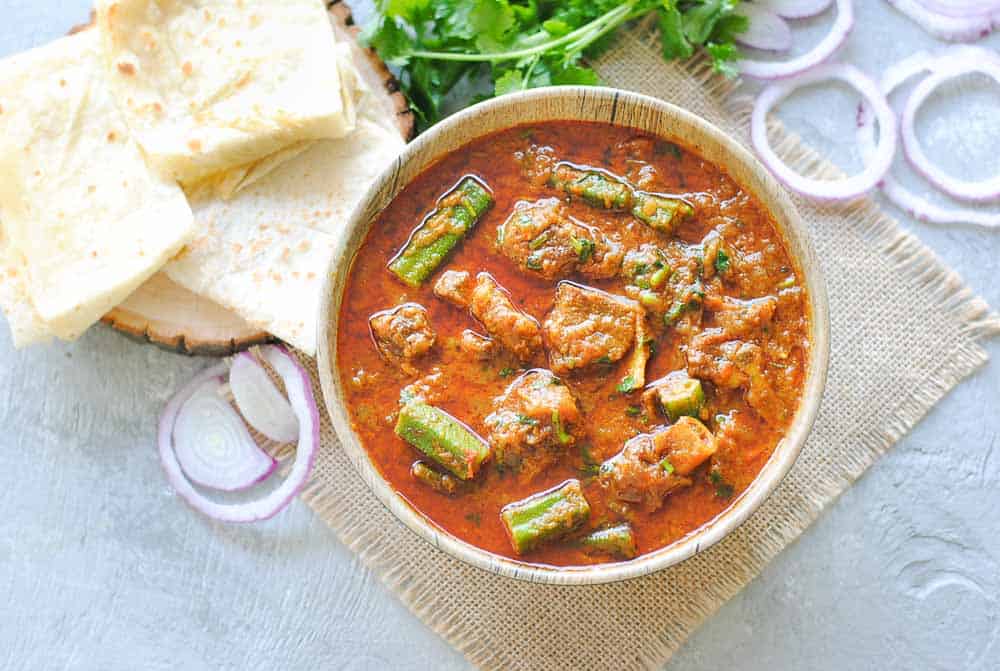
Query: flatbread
[[85, 221], [26, 327], [264, 253], [208, 86]]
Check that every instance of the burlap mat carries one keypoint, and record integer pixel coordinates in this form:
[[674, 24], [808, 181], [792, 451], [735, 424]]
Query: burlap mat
[[905, 331]]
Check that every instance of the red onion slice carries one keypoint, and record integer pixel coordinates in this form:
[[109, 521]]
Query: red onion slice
[[839, 31], [261, 404], [299, 388], [826, 190], [767, 30], [795, 9], [954, 25], [917, 207], [213, 445], [978, 191]]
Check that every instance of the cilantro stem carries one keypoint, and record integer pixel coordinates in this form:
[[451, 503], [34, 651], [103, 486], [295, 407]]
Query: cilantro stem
[[578, 39]]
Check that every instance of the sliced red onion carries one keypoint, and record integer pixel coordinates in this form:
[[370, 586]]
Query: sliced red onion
[[795, 9], [261, 404], [767, 30], [839, 31], [299, 388], [826, 190], [213, 445], [975, 191], [916, 206], [956, 24]]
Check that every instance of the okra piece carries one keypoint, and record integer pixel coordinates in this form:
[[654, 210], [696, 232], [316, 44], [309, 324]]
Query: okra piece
[[456, 214], [595, 187], [659, 212], [617, 541], [545, 516], [680, 396], [442, 438], [439, 482]]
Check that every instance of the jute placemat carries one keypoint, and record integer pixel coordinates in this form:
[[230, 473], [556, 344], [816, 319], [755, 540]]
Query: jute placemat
[[905, 331]]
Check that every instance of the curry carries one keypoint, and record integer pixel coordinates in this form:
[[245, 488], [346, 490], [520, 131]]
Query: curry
[[570, 343]]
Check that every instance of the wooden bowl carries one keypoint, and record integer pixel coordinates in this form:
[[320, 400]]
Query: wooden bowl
[[618, 108]]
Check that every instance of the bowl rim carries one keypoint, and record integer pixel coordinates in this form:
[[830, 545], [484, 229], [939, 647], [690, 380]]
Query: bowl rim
[[435, 143]]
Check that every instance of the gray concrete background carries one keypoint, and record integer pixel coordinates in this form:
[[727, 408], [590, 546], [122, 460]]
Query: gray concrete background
[[101, 567]]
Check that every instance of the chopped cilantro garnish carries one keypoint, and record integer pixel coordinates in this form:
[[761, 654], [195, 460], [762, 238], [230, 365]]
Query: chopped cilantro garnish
[[507, 371], [583, 247], [722, 261], [667, 466], [633, 411], [524, 419], [627, 385], [533, 262]]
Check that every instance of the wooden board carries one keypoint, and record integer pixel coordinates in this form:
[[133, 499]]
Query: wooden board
[[165, 314]]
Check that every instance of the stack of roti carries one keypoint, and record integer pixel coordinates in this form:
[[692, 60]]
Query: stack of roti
[[223, 142]]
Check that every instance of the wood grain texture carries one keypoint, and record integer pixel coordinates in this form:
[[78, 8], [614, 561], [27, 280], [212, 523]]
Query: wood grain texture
[[165, 314]]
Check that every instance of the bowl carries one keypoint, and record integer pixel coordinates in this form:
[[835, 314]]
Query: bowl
[[619, 108]]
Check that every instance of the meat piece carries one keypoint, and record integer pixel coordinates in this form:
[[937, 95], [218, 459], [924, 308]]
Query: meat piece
[[587, 325], [477, 346], [514, 329], [541, 239], [533, 423], [726, 356], [739, 318], [454, 286], [402, 334], [652, 465]]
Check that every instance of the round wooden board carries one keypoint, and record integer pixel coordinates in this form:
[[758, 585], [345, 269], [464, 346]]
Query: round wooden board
[[165, 314]]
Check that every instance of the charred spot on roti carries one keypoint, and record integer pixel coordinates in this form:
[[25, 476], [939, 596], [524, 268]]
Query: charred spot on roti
[[126, 69]]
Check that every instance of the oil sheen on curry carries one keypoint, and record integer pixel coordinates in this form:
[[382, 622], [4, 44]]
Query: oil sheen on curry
[[571, 343]]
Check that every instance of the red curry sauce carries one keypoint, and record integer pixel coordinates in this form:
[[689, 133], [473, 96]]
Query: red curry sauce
[[757, 266]]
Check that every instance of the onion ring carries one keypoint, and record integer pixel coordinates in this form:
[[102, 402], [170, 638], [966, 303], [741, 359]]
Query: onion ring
[[299, 389], [916, 206], [952, 25], [979, 191], [259, 401], [766, 31], [850, 187], [796, 9], [213, 445], [839, 31]]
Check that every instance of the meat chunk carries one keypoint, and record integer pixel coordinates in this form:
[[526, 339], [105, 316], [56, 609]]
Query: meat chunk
[[511, 327], [727, 356], [587, 325], [541, 239], [653, 465], [477, 346], [454, 286], [402, 335], [533, 423]]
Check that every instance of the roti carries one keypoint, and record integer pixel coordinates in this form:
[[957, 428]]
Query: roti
[[263, 254], [85, 221], [208, 86]]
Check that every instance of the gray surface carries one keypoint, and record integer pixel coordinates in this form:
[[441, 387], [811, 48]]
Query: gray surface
[[101, 567]]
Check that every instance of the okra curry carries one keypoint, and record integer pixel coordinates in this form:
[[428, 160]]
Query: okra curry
[[571, 343]]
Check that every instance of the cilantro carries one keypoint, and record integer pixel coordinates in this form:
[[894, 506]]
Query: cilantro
[[667, 466], [722, 261], [519, 44], [507, 371], [633, 411], [723, 489], [627, 385], [604, 360], [583, 247], [533, 262], [528, 421]]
